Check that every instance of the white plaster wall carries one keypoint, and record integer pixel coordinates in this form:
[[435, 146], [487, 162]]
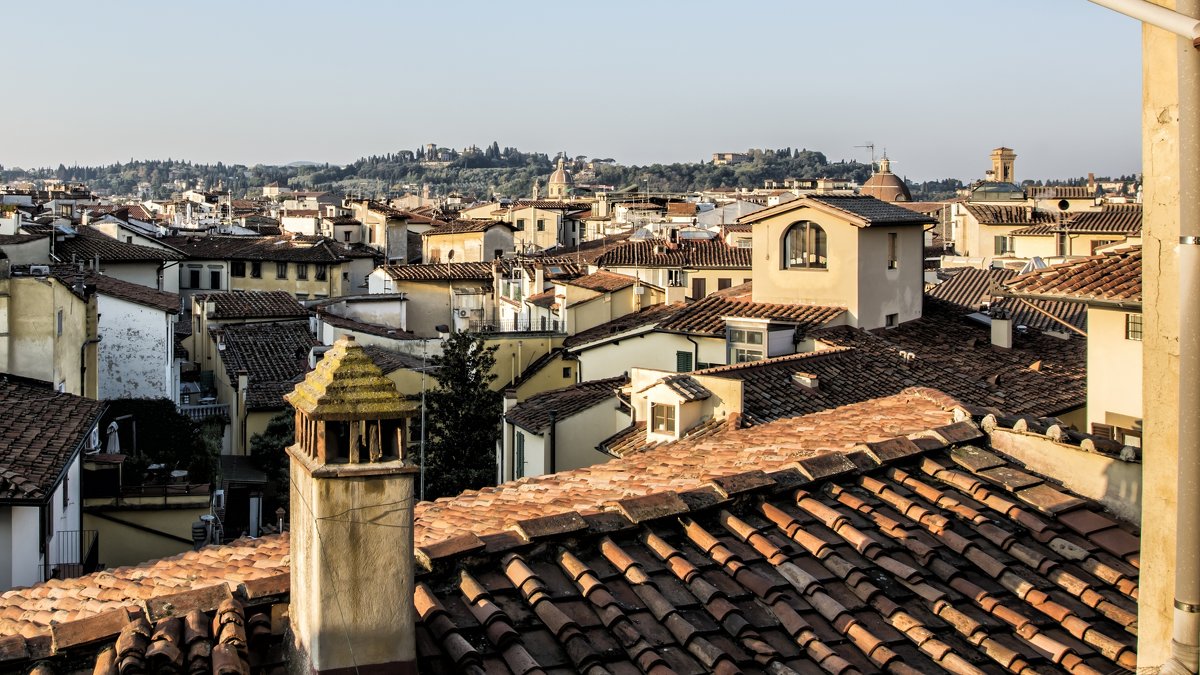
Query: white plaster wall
[[6, 544], [26, 557], [136, 350], [883, 291], [1114, 369], [648, 350], [579, 434]]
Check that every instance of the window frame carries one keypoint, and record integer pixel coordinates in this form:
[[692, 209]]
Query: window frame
[[301, 271], [810, 251], [1132, 332], [255, 269], [281, 270], [669, 418], [893, 250], [321, 272], [237, 268]]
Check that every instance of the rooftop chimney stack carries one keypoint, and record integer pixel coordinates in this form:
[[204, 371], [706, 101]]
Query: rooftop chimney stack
[[1002, 330], [351, 520]]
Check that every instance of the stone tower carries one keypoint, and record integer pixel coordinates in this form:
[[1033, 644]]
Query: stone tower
[[1002, 165], [352, 519]]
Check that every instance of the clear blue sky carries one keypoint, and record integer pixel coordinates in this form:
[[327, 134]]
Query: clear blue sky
[[937, 82]]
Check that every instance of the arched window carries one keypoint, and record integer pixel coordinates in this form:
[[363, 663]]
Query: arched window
[[805, 245]]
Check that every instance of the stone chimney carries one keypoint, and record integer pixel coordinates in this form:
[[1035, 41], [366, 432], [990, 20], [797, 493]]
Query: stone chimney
[[351, 520]]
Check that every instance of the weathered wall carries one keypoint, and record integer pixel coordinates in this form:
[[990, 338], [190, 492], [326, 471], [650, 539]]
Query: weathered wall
[[137, 352], [1166, 61], [326, 582], [883, 291], [26, 532], [35, 347], [648, 350], [578, 435], [1115, 483]]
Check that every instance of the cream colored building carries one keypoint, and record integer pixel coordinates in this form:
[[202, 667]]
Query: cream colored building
[[853, 252], [48, 330], [1111, 286], [464, 241]]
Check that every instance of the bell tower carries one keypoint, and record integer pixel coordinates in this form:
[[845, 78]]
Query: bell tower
[[352, 519], [1002, 165]]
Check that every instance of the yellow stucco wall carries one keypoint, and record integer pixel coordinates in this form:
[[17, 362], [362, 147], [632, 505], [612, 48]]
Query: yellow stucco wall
[[1114, 368], [34, 346], [124, 545]]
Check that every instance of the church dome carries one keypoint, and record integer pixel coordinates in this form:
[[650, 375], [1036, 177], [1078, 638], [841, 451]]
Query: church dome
[[560, 175], [885, 185]]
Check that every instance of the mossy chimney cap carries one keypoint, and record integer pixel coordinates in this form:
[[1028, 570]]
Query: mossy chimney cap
[[346, 385]]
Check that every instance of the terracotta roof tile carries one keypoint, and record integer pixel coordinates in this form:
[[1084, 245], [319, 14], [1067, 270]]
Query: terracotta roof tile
[[707, 315], [252, 305], [468, 271], [971, 288], [603, 281], [1114, 277], [533, 414], [463, 226], [274, 354], [993, 214], [33, 452], [695, 253]]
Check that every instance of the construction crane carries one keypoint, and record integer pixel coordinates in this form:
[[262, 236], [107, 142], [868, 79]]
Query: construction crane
[[871, 147]]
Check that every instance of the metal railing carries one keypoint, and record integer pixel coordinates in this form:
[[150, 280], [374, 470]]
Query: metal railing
[[78, 554], [203, 411], [518, 326]]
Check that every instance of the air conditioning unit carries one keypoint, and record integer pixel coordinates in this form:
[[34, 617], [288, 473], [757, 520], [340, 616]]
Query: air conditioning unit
[[462, 313], [639, 290], [39, 270]]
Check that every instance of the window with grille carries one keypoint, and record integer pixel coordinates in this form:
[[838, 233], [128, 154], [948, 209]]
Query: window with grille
[[1133, 326]]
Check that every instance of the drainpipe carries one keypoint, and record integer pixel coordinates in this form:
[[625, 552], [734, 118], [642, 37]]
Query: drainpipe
[[553, 438], [695, 352], [1185, 638]]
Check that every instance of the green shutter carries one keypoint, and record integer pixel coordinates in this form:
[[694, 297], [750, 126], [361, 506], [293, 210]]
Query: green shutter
[[683, 362]]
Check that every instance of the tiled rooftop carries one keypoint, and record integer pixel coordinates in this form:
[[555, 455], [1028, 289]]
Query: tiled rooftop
[[274, 354], [118, 288], [1041, 375], [88, 244], [643, 318], [275, 249], [464, 271], [40, 431], [1124, 219], [533, 414], [603, 281], [707, 315], [971, 287], [253, 305], [1114, 277], [697, 253], [463, 226], [916, 549], [862, 210], [1061, 191], [991, 214]]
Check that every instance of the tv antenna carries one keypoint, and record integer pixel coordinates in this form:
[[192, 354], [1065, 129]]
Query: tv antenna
[[871, 146]]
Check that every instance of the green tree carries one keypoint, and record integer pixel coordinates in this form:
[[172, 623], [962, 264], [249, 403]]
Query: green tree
[[268, 451], [463, 417], [163, 436]]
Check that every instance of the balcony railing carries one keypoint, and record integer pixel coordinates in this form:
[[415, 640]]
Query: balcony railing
[[78, 553], [518, 326], [203, 411]]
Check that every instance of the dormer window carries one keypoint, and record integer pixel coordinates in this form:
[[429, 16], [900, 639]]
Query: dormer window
[[805, 246], [662, 418]]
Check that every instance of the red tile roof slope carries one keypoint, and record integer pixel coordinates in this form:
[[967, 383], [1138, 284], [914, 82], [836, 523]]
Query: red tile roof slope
[[971, 287], [696, 253], [1125, 219], [707, 315], [991, 214], [603, 281], [533, 414], [253, 305], [1114, 277], [464, 226], [118, 288], [681, 466], [466, 271], [1041, 375], [917, 553], [40, 431], [274, 354], [646, 318]]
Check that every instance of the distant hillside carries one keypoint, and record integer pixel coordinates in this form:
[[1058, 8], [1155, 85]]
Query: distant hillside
[[478, 172]]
